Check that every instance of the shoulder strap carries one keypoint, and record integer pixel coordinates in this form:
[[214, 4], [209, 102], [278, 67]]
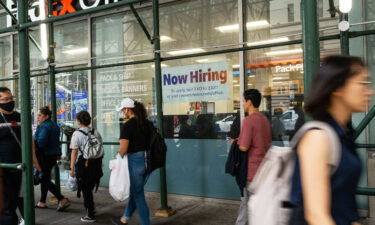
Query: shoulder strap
[[334, 140], [86, 134]]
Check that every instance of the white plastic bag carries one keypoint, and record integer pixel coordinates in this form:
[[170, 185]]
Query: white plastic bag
[[119, 181], [71, 184]]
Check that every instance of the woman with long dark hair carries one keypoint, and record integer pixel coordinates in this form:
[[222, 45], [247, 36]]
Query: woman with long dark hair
[[341, 87], [47, 143], [134, 139]]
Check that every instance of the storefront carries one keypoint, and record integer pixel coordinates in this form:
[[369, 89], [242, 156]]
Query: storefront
[[201, 95]]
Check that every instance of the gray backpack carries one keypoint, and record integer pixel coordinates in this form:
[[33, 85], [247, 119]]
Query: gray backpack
[[93, 147], [273, 181]]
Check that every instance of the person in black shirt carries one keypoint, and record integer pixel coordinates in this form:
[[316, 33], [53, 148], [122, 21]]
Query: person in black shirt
[[134, 136], [10, 152]]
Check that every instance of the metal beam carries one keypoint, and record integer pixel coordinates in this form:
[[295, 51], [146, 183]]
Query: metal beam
[[8, 11], [366, 145], [365, 191], [80, 13], [332, 9], [24, 84], [143, 26], [311, 50], [18, 166], [369, 116], [344, 36], [165, 210], [8, 29]]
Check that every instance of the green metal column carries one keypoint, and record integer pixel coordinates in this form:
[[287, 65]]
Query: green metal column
[[52, 80], [164, 211], [310, 32], [344, 36], [24, 84]]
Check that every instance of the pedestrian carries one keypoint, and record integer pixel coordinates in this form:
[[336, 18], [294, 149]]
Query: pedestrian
[[87, 147], [10, 152], [48, 150], [134, 141], [255, 139], [340, 88]]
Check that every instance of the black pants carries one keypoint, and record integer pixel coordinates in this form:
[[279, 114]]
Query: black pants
[[88, 199], [88, 173], [47, 163], [11, 188]]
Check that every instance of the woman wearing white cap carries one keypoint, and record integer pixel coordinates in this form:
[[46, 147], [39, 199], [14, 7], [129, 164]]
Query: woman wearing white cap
[[133, 142]]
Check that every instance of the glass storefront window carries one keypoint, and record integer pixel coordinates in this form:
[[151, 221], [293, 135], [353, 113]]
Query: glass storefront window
[[280, 21], [278, 74], [119, 37], [36, 59], [111, 85], [72, 95], [5, 56], [72, 43], [193, 25]]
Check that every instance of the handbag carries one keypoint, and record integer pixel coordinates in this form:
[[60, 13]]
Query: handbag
[[119, 181]]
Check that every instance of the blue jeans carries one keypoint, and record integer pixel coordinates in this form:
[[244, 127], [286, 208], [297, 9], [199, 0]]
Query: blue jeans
[[137, 172]]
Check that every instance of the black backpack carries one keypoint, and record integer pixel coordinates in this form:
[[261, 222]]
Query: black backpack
[[156, 153]]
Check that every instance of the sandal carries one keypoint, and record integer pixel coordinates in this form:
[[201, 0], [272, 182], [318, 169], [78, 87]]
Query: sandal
[[41, 207], [62, 207]]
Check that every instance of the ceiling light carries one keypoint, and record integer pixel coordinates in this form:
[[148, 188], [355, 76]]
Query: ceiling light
[[162, 65], [236, 66], [270, 41], [76, 51], [43, 30], [284, 52], [249, 25], [201, 60], [186, 51], [235, 81], [236, 85], [345, 6], [164, 38], [257, 24]]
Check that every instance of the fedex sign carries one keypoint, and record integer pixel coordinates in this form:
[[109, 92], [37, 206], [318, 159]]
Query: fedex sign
[[60, 7]]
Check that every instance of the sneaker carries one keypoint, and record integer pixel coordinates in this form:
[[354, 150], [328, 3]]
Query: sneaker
[[88, 219], [117, 221]]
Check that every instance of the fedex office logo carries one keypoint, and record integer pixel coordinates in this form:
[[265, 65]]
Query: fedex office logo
[[60, 7]]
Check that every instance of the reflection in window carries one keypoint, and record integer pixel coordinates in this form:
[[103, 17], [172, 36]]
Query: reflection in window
[[111, 85], [71, 95], [290, 12], [71, 42], [36, 59]]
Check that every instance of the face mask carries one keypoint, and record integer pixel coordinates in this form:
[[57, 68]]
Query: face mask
[[7, 106]]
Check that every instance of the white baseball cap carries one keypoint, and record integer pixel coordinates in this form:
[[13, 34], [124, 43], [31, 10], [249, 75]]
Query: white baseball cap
[[126, 103]]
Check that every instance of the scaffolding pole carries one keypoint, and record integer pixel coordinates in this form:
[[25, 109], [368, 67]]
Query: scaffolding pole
[[311, 51], [344, 36], [24, 83], [165, 210]]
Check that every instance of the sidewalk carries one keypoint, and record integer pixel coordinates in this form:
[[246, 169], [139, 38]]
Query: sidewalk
[[190, 210]]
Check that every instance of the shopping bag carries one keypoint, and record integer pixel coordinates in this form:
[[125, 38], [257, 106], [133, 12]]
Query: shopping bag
[[119, 181], [71, 184]]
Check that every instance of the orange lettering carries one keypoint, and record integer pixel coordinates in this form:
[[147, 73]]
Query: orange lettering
[[67, 7]]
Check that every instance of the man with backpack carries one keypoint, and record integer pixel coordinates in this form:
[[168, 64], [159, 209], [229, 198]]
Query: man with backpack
[[87, 146], [255, 138]]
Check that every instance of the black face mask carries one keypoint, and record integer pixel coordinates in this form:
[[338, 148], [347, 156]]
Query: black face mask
[[9, 106]]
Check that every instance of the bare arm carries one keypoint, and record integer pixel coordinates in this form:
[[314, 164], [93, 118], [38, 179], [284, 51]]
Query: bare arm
[[124, 145], [243, 148], [35, 159], [314, 155], [73, 159]]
